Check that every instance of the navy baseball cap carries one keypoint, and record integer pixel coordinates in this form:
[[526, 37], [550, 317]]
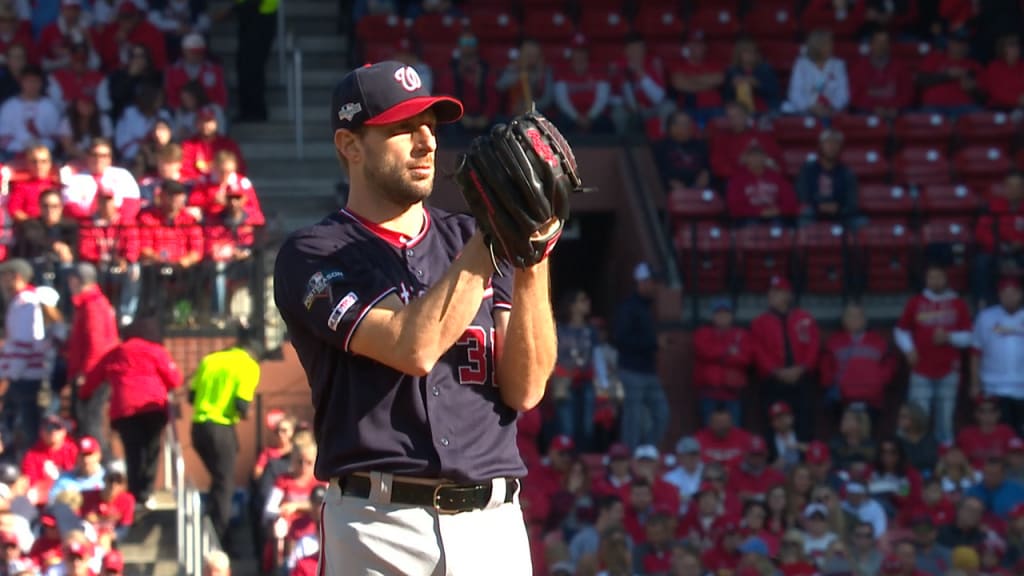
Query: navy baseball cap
[[384, 93]]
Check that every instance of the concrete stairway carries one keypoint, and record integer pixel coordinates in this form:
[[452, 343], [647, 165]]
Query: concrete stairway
[[293, 192]]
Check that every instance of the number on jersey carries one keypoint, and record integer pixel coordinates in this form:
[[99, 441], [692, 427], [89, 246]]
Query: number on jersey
[[478, 343]]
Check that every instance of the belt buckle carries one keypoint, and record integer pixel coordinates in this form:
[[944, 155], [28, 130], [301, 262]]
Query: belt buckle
[[437, 501]]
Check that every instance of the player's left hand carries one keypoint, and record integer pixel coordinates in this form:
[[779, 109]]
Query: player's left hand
[[517, 180]]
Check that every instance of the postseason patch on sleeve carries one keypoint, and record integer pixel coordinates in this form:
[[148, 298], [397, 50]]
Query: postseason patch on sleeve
[[319, 286], [343, 306]]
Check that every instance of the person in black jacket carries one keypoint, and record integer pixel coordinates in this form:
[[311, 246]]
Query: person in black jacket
[[49, 242], [827, 185], [681, 157], [645, 408]]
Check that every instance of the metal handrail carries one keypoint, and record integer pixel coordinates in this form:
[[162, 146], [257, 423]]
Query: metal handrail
[[294, 94]]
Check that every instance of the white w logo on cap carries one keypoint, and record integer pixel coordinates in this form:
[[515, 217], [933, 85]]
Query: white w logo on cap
[[408, 78]]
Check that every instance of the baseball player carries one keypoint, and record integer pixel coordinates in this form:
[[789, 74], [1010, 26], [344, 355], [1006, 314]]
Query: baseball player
[[419, 340]]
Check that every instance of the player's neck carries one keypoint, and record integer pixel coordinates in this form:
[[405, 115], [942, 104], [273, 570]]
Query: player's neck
[[407, 220]]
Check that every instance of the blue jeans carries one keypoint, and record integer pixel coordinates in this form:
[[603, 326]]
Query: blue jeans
[[575, 415], [734, 407], [644, 409], [22, 413], [127, 284], [937, 397]]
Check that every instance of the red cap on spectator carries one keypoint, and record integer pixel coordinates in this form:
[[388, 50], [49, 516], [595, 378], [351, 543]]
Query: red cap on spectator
[[562, 443], [780, 283], [1009, 282], [48, 520], [619, 451], [817, 453], [780, 408], [706, 487], [88, 445], [127, 7], [80, 549], [1015, 444], [757, 445], [8, 537], [206, 113], [273, 417], [986, 399], [114, 561]]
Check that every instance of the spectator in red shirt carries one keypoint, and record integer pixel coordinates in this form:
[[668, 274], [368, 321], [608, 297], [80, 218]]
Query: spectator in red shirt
[[857, 365], [130, 28], [198, 152], [751, 81], [1004, 76], [702, 516], [639, 508], [77, 77], [989, 437], [229, 238], [646, 467], [582, 93], [786, 348], [211, 193], [471, 82], [194, 66], [23, 202], [723, 557], [879, 84], [722, 356], [53, 454], [171, 247], [110, 242], [55, 39], [290, 496], [721, 441], [729, 144], [141, 375], [934, 328], [114, 507], [752, 478], [999, 237], [696, 81], [655, 554], [757, 194], [619, 473], [949, 79]]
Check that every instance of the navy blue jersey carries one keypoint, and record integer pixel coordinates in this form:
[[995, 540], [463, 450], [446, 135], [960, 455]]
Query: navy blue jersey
[[451, 423]]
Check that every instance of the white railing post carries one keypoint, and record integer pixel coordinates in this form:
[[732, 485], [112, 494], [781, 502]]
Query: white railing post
[[197, 530], [289, 77], [300, 121], [281, 49]]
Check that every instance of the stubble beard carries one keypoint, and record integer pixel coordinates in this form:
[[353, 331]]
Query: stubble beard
[[394, 182]]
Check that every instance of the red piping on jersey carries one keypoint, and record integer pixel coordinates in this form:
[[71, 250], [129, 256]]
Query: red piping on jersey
[[321, 561], [396, 239]]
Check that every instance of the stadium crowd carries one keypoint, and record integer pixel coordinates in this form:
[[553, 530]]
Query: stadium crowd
[[891, 127], [124, 207]]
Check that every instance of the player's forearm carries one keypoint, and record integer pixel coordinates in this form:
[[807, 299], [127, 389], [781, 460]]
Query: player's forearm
[[530, 347], [431, 324]]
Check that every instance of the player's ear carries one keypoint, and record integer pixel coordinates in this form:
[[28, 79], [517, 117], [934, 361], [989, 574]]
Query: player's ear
[[349, 145]]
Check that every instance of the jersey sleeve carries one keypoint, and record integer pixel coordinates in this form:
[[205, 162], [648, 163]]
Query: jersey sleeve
[[327, 295], [502, 287]]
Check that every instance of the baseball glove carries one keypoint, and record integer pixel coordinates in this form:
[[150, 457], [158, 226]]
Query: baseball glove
[[516, 181]]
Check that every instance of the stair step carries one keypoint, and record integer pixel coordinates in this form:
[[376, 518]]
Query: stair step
[[311, 9], [328, 43], [284, 164], [312, 76], [275, 150], [315, 95]]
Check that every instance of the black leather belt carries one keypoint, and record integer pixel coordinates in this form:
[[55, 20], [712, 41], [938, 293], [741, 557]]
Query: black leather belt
[[445, 498]]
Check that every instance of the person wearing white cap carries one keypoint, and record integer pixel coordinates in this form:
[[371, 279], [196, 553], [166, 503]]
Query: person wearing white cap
[[178, 20], [645, 408], [194, 66], [864, 507], [817, 536]]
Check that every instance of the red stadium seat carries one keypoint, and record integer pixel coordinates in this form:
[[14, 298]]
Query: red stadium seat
[[717, 22], [548, 26], [922, 129], [797, 131], [704, 253], [731, 5], [842, 25], [380, 28], [849, 51], [379, 51], [982, 166], [959, 235], [437, 56], [885, 251], [910, 53], [767, 22], [948, 199], [544, 5], [433, 27], [498, 55], [495, 26], [765, 251], [657, 24], [987, 129], [603, 24], [823, 247], [862, 130], [780, 55], [868, 164], [876, 200], [795, 158], [557, 56], [921, 166], [695, 204], [602, 54]]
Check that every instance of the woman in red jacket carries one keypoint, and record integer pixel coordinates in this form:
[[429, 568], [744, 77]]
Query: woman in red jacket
[[141, 374]]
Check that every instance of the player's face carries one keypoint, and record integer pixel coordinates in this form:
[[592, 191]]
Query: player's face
[[399, 159]]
